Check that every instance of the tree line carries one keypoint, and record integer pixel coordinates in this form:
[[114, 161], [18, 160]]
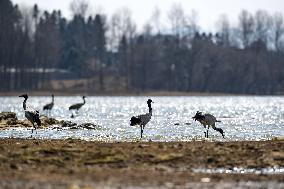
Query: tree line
[[109, 54]]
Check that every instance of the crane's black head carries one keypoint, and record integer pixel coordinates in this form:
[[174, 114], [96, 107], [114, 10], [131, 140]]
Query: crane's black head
[[84, 97], [198, 116], [149, 101], [24, 96]]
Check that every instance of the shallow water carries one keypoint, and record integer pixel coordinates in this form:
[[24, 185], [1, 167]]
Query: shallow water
[[243, 118], [235, 170]]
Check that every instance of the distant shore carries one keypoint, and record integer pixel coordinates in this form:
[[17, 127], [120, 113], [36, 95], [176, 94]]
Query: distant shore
[[148, 93], [31, 163]]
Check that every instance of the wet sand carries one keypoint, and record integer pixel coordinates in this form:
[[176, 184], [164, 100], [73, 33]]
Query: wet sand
[[30, 163]]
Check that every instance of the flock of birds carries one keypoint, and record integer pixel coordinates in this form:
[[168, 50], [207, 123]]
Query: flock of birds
[[207, 120]]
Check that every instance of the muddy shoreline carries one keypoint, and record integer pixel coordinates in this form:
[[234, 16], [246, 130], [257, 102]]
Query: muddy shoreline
[[67, 163], [10, 120]]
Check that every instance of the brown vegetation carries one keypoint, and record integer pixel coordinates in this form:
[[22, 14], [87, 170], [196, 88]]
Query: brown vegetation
[[9, 119], [75, 162]]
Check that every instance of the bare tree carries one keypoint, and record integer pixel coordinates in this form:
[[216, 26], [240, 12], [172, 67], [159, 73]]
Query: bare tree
[[177, 18], [246, 25], [80, 7], [263, 24], [192, 24], [121, 24], [154, 21], [278, 31], [113, 33], [224, 31]]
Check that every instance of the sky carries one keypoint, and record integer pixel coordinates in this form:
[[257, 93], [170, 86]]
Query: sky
[[209, 11]]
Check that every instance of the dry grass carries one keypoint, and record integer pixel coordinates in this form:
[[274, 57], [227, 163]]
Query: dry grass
[[134, 164]]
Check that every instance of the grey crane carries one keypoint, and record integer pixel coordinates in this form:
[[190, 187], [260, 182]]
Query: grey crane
[[77, 106], [48, 107], [142, 119], [31, 114], [208, 120]]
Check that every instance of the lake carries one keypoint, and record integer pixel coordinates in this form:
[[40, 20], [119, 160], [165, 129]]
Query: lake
[[242, 117]]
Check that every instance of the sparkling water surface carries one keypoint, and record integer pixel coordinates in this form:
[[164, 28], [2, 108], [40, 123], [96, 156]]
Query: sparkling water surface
[[242, 117]]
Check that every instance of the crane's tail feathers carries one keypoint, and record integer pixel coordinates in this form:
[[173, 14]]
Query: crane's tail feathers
[[135, 121], [38, 122], [220, 131]]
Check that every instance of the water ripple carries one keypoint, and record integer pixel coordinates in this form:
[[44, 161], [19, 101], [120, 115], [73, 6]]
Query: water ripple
[[242, 117]]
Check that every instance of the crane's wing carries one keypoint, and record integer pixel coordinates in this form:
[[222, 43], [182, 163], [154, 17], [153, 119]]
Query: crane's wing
[[76, 106], [145, 118]]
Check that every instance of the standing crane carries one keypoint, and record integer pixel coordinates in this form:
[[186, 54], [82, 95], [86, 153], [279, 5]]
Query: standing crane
[[142, 119], [48, 107], [31, 114], [77, 106]]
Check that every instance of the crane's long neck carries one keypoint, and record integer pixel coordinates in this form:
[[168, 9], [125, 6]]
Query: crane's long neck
[[24, 104], [84, 101], [150, 108], [52, 100]]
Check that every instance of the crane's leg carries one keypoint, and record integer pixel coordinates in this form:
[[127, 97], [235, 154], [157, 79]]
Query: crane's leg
[[204, 131], [35, 130], [207, 133], [72, 115], [32, 130], [141, 127]]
